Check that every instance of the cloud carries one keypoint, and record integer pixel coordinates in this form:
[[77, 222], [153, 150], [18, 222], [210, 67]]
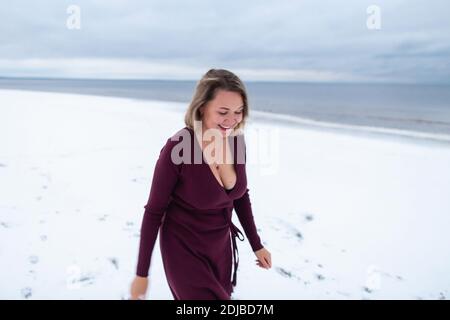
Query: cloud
[[95, 68], [292, 40]]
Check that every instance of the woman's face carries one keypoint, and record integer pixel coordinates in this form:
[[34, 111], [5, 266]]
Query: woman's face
[[224, 112]]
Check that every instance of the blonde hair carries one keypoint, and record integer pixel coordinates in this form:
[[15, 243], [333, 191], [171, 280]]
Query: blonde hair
[[207, 87]]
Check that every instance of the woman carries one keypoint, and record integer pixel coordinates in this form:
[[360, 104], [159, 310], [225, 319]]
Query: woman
[[198, 180]]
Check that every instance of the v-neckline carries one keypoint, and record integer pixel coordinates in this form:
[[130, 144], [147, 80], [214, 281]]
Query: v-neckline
[[225, 190]]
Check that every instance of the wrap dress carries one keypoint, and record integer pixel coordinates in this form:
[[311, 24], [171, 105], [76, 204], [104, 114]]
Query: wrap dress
[[193, 213]]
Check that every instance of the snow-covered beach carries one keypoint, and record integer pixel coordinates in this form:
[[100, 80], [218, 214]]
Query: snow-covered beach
[[345, 215]]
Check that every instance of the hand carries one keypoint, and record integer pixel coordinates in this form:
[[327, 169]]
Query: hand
[[264, 259], [139, 288]]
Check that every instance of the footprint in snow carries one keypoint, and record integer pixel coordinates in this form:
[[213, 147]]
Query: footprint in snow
[[114, 262], [103, 217], [33, 259], [285, 273], [291, 229], [85, 279], [26, 292], [320, 277], [367, 290]]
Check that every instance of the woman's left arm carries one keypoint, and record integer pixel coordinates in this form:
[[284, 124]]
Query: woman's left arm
[[243, 210]]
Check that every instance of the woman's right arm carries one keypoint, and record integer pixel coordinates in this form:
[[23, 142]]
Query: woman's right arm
[[165, 178]]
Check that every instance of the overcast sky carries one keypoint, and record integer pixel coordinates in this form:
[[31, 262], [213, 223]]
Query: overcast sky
[[311, 40]]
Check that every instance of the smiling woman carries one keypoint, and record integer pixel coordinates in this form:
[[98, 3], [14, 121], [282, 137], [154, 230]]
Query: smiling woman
[[220, 101], [191, 203]]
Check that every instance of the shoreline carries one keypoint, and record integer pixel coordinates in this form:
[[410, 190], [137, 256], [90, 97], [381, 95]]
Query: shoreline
[[290, 120]]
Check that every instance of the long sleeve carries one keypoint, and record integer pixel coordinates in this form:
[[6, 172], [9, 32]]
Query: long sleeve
[[242, 205], [243, 210], [165, 178]]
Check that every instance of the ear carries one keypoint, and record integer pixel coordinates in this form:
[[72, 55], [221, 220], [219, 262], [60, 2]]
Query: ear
[[201, 110]]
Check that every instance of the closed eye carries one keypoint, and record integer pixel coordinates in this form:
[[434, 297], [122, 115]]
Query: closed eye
[[224, 113]]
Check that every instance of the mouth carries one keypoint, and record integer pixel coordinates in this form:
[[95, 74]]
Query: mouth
[[224, 128]]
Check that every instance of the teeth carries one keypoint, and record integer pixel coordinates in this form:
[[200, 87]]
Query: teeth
[[224, 127]]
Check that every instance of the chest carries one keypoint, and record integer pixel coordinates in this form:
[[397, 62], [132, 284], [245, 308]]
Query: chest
[[225, 174]]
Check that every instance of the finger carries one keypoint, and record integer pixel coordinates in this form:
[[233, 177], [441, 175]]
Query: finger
[[265, 261], [262, 263], [269, 261]]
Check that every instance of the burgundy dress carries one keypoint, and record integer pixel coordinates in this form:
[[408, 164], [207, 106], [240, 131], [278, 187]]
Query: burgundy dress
[[193, 213]]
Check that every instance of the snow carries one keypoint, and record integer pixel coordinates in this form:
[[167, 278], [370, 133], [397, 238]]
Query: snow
[[345, 214]]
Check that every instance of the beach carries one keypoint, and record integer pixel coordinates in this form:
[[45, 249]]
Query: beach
[[346, 214]]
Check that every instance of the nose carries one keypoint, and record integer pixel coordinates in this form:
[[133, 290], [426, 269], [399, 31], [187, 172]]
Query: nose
[[231, 120]]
